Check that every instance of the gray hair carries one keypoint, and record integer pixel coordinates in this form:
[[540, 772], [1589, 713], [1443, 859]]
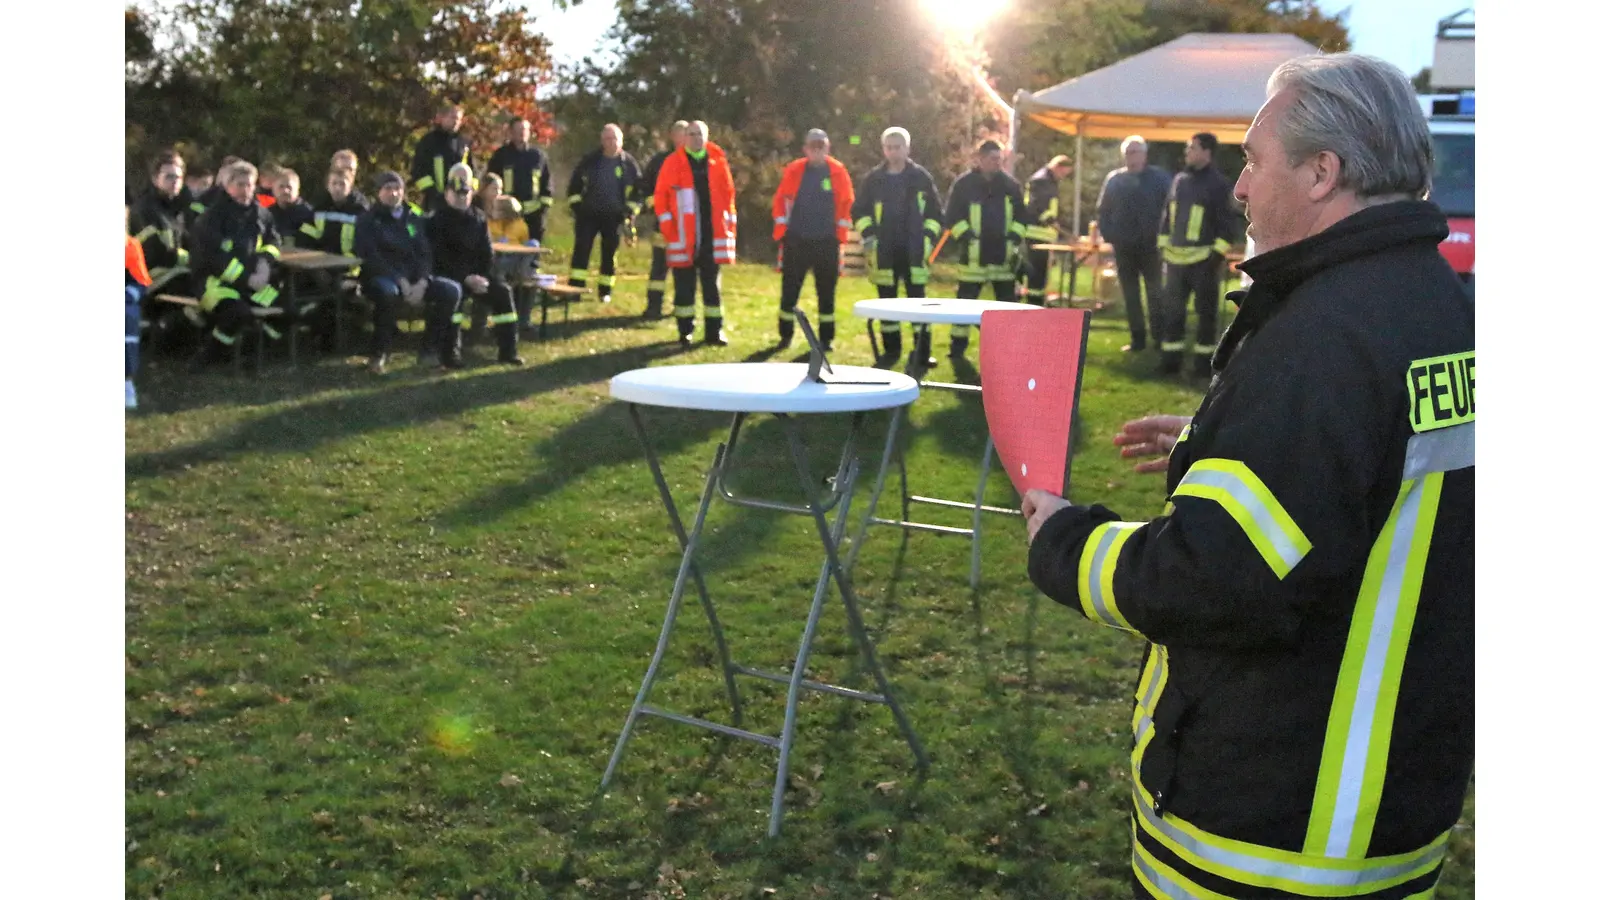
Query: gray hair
[[1362, 110], [898, 132], [1134, 140]]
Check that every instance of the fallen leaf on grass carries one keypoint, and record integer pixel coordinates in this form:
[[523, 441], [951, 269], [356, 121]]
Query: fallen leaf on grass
[[1039, 810], [886, 787], [322, 818], [509, 780]]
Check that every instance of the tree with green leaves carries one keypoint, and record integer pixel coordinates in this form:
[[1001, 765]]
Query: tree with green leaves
[[291, 81]]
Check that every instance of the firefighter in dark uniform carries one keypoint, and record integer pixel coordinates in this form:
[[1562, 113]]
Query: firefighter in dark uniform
[[603, 195], [524, 172], [293, 216], [899, 216], [1303, 726], [397, 267], [459, 235], [1042, 197], [656, 290], [436, 152], [159, 222], [1197, 229], [235, 249], [987, 220], [333, 230]]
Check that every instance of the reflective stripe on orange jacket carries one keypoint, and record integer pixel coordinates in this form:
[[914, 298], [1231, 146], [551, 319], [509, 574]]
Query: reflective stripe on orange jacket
[[678, 213]]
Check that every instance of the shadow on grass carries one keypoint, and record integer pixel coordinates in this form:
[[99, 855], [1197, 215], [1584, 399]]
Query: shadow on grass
[[306, 427]]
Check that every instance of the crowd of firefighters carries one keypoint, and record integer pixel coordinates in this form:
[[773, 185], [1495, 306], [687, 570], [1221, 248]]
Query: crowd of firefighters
[[221, 240]]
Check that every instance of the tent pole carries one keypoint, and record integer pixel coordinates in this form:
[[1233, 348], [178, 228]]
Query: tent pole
[[1077, 187]]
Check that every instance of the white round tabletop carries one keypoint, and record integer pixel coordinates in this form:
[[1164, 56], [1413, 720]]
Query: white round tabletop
[[764, 388], [932, 310]]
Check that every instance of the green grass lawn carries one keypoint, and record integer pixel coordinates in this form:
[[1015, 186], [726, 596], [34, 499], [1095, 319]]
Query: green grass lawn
[[382, 634]]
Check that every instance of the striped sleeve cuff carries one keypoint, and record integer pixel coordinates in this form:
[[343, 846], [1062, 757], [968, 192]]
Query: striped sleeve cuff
[[1230, 484], [1097, 568]]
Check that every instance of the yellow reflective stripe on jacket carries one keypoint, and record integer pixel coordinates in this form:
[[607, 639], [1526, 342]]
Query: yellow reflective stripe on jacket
[[438, 171], [1184, 256], [314, 229], [425, 182], [505, 176], [1163, 241], [1197, 215], [269, 249], [1096, 568], [1039, 233], [1151, 683], [265, 296], [1264, 520], [1163, 882], [1221, 245], [1269, 867], [232, 271], [865, 222], [959, 229], [147, 233], [347, 238], [1355, 750], [509, 318], [215, 293]]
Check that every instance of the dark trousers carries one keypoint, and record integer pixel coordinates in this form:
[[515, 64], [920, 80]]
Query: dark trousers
[[1038, 273], [1004, 289], [899, 273], [1136, 264], [818, 257], [609, 229], [656, 291], [134, 296], [1199, 279], [441, 302], [502, 315], [710, 276]]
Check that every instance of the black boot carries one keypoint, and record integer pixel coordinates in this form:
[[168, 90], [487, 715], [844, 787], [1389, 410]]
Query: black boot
[[891, 349], [714, 332], [1171, 362], [505, 334], [450, 347], [1135, 344], [825, 335], [958, 347]]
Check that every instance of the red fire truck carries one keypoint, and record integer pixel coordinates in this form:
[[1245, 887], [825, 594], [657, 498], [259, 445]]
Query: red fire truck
[[1450, 119]]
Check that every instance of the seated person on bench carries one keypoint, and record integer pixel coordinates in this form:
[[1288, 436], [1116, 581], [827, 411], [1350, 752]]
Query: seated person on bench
[[396, 267], [459, 233], [235, 250]]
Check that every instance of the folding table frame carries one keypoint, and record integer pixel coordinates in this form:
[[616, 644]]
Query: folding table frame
[[818, 505]]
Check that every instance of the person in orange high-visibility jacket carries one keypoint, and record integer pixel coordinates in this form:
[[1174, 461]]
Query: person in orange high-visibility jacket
[[136, 280], [810, 219], [697, 217]]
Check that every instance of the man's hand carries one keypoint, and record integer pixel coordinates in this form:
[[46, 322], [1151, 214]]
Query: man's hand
[[1038, 506], [477, 283], [1150, 436]]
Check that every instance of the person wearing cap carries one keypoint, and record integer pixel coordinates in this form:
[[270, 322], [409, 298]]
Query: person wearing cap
[[603, 195], [235, 250], [810, 219], [1129, 213], [900, 217], [459, 236], [436, 152], [987, 219], [656, 291], [698, 216], [396, 267], [1042, 198]]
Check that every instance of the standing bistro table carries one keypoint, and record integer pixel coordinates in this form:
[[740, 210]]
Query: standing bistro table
[[784, 390], [925, 312]]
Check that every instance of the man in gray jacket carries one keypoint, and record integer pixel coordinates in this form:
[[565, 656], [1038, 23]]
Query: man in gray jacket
[[1130, 217]]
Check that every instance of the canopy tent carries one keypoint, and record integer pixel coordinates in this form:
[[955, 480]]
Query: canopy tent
[[1198, 82]]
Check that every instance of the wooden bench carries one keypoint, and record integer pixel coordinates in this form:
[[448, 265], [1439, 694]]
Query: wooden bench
[[549, 295], [258, 315]]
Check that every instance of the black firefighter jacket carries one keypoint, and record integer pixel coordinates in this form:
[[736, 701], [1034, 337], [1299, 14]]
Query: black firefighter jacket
[[229, 239], [460, 241], [436, 152], [1304, 719], [393, 247], [874, 211], [987, 220], [1199, 219]]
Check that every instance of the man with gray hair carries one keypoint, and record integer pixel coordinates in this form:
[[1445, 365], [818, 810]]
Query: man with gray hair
[[1130, 218], [603, 194], [1304, 723], [899, 215]]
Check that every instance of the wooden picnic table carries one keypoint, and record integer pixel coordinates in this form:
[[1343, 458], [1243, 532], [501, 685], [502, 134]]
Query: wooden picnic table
[[1076, 252], [307, 260], [510, 249]]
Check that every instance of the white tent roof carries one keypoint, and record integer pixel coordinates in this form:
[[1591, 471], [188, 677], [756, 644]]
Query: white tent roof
[[1198, 82]]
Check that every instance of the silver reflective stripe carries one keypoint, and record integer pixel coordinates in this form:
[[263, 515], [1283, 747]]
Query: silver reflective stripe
[[1096, 566], [1358, 742], [1259, 514], [1267, 868], [1162, 882], [782, 220], [1444, 450]]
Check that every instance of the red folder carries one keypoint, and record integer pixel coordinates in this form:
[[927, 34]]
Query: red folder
[[1032, 365]]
